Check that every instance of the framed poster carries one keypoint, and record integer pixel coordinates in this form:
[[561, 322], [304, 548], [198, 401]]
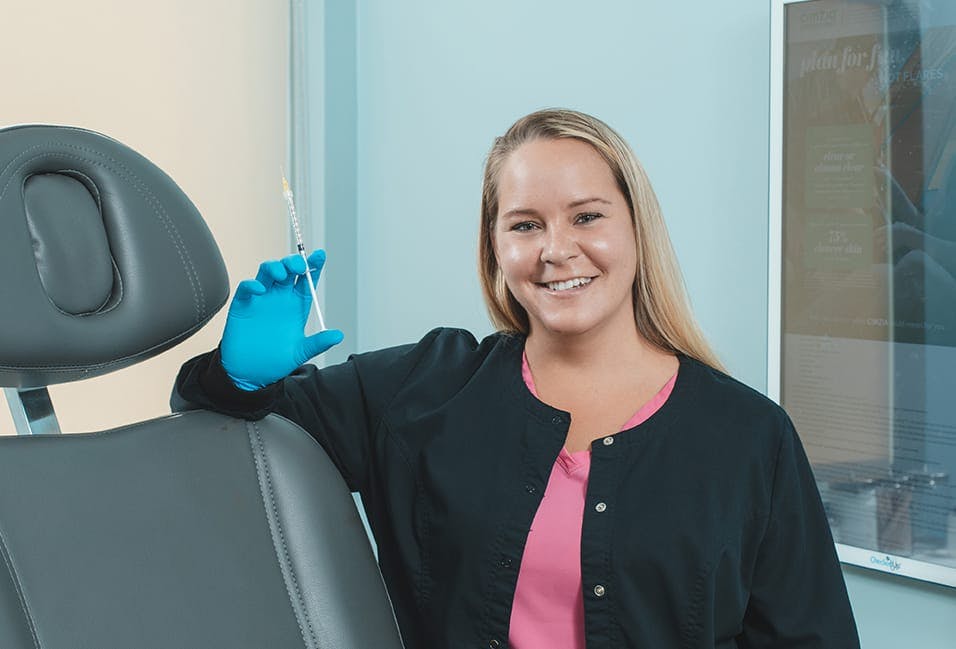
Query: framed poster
[[862, 333]]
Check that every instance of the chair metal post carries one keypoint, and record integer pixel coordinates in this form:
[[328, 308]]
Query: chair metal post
[[32, 411]]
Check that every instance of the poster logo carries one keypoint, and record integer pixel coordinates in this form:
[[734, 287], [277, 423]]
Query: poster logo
[[886, 562]]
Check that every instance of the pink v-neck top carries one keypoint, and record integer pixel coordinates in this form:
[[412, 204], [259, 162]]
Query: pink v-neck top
[[548, 609]]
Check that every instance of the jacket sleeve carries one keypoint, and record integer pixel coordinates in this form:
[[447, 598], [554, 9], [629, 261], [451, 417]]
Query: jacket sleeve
[[341, 406], [798, 598]]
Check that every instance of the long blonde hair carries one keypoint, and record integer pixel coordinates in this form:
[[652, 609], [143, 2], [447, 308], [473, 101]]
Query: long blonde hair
[[661, 308]]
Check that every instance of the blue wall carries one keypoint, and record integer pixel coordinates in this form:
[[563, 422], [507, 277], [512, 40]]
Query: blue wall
[[687, 84]]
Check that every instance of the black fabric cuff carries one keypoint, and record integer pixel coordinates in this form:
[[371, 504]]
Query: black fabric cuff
[[203, 383]]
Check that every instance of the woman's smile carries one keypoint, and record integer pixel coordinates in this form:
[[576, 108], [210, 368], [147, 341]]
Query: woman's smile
[[568, 286]]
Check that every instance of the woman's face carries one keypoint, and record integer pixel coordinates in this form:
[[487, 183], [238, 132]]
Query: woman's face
[[564, 238]]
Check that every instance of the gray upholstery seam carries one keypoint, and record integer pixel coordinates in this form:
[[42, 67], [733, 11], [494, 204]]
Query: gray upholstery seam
[[119, 278], [86, 366], [100, 310], [199, 299], [278, 539], [8, 560], [93, 188], [17, 157], [146, 192]]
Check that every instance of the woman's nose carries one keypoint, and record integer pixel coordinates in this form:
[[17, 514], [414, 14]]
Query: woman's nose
[[559, 245]]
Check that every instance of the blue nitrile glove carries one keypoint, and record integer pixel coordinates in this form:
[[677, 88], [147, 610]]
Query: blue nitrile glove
[[264, 338]]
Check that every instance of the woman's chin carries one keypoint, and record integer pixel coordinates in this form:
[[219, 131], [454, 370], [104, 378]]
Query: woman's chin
[[563, 327]]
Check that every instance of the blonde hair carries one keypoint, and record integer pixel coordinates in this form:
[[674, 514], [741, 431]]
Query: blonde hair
[[661, 308]]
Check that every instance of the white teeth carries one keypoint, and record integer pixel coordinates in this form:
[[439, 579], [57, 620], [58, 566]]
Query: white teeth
[[571, 283]]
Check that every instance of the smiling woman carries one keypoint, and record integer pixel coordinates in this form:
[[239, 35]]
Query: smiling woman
[[564, 239], [564, 244], [572, 153], [585, 477]]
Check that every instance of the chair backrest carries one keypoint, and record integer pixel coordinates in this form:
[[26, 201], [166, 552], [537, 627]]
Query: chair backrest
[[193, 530]]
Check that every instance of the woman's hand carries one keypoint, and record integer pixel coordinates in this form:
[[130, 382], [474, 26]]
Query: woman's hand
[[264, 338]]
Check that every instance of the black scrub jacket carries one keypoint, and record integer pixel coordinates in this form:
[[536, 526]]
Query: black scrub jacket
[[711, 534]]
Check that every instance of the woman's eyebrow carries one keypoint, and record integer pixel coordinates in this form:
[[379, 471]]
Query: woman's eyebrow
[[527, 211], [585, 201], [519, 212]]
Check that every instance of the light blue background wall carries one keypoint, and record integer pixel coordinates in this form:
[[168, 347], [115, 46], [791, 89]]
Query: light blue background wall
[[415, 93], [438, 81]]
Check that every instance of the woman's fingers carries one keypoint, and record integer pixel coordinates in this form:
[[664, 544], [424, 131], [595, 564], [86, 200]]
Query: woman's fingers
[[248, 288], [317, 258], [294, 264], [284, 272], [271, 272], [316, 262], [317, 343], [280, 272]]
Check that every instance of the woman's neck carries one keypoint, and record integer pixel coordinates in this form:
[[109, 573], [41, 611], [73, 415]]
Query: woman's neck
[[602, 379], [592, 351]]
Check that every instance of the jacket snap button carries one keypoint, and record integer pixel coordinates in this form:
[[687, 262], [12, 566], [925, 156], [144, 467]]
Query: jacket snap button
[[599, 590], [600, 507], [494, 644], [608, 440], [530, 488]]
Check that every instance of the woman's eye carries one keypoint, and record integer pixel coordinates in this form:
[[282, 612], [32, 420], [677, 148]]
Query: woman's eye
[[524, 226], [588, 217]]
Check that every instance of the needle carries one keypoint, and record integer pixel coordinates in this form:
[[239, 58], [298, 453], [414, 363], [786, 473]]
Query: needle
[[290, 203]]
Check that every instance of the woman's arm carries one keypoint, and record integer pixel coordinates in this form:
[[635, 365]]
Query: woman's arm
[[798, 598], [260, 368]]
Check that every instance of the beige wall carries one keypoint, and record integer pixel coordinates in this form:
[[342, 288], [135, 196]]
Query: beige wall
[[199, 88]]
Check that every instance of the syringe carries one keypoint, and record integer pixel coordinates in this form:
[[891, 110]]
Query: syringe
[[287, 193]]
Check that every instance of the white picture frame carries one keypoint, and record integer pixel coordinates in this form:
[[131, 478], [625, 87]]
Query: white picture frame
[[866, 557]]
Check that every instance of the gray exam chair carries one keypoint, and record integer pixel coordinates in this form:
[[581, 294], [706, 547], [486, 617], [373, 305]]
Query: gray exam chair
[[189, 531]]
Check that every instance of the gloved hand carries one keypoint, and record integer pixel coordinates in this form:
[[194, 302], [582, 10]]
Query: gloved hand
[[264, 338]]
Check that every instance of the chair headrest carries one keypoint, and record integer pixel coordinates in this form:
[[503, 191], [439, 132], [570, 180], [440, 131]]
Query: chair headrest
[[104, 261]]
